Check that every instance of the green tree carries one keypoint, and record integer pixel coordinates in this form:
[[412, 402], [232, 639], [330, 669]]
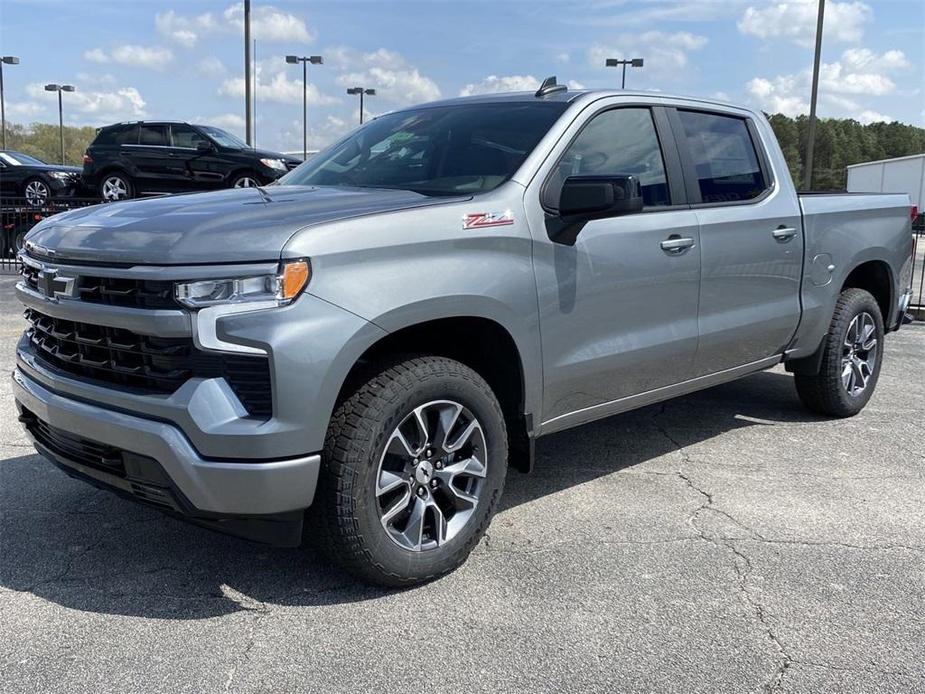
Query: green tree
[[41, 140]]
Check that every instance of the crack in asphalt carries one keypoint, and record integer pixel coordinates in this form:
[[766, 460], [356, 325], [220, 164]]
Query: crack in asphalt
[[741, 562]]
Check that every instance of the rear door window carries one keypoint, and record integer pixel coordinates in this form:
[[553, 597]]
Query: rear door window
[[155, 135], [723, 156]]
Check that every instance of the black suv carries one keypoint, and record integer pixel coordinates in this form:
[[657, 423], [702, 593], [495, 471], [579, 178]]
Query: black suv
[[128, 159]]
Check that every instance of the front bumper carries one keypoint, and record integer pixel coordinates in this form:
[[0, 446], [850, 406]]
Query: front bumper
[[261, 499]]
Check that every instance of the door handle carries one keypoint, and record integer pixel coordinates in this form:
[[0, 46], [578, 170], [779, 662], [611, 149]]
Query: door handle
[[676, 245], [784, 233]]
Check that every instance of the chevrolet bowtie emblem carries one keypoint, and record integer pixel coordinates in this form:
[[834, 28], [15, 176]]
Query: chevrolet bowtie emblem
[[53, 286]]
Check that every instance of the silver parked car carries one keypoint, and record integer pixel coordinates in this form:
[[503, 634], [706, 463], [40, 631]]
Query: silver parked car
[[371, 342]]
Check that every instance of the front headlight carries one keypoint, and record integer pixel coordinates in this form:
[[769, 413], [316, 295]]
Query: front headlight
[[281, 288], [277, 164], [62, 175]]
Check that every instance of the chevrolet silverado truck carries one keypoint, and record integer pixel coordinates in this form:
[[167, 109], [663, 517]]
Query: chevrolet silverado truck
[[356, 354]]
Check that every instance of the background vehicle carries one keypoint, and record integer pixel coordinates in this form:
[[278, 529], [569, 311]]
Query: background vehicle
[[377, 337], [130, 159], [22, 176]]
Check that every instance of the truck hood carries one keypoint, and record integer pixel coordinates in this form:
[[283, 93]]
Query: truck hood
[[229, 226]]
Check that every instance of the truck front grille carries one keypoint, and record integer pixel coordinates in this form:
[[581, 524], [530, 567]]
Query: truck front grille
[[113, 291], [143, 363]]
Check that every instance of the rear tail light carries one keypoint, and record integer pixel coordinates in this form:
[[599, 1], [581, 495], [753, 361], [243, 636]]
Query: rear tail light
[[87, 158]]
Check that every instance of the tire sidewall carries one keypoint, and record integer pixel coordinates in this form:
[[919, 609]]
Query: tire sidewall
[[382, 550], [858, 302]]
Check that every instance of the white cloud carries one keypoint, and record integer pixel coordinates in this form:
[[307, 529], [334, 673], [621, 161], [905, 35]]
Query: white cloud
[[859, 73], [275, 84], [269, 23], [393, 78], [184, 30], [494, 84], [24, 109], [664, 53], [96, 55], [114, 105], [795, 20], [154, 57], [867, 117], [211, 67]]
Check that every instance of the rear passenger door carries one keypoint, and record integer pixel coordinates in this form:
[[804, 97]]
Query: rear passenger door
[[751, 239], [151, 159]]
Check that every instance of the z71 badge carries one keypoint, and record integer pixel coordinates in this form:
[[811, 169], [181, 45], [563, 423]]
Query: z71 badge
[[480, 220]]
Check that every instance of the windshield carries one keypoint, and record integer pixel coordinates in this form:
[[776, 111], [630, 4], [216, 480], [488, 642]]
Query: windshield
[[223, 137], [20, 159], [443, 150]]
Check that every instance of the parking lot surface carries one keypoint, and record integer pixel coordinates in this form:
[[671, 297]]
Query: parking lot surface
[[728, 541]]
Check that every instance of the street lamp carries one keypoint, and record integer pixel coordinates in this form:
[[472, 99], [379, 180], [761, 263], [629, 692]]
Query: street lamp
[[811, 135], [613, 62], [361, 92], [60, 88], [5, 60], [305, 60]]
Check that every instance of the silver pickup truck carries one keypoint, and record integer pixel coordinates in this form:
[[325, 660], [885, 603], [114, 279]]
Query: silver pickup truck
[[369, 344]]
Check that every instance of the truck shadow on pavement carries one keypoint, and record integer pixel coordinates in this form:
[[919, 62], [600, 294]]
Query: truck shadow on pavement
[[89, 550]]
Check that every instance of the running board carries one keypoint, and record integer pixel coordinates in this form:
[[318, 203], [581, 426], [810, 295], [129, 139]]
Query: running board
[[632, 402]]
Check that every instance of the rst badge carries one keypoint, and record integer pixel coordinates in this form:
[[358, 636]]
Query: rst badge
[[480, 220]]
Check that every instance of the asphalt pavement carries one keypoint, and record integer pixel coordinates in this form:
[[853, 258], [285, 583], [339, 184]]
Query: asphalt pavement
[[728, 541]]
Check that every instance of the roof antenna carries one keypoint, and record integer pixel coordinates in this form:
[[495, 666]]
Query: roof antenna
[[549, 86]]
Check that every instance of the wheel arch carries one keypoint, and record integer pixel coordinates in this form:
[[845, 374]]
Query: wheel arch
[[481, 343], [876, 277]]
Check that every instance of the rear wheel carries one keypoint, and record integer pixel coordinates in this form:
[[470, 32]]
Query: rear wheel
[[116, 186], [413, 468], [852, 355], [36, 192]]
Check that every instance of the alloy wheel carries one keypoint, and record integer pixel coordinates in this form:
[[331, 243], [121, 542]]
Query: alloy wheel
[[37, 193], [246, 182], [859, 353], [430, 475], [115, 188]]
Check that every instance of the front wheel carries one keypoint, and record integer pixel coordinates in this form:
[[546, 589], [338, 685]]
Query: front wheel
[[36, 192], [413, 468], [245, 180], [851, 359]]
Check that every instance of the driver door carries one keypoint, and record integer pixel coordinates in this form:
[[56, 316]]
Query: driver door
[[618, 309]]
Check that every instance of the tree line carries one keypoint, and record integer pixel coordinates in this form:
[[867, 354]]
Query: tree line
[[839, 142]]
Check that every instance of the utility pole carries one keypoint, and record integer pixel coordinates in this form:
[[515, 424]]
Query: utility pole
[[60, 88], [361, 91], [811, 135], [305, 60], [247, 71], [5, 60], [614, 62]]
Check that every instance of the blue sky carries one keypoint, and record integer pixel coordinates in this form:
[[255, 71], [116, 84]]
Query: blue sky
[[183, 59]]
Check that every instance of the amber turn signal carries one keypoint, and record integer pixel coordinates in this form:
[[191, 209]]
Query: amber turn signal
[[295, 275]]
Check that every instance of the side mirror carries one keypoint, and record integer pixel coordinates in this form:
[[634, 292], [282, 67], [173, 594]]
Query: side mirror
[[203, 146], [584, 198]]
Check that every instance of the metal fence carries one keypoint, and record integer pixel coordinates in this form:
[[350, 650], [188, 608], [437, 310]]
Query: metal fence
[[18, 215]]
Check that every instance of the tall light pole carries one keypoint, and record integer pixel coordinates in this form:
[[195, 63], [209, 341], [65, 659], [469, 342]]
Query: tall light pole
[[247, 72], [361, 92], [811, 135], [614, 62], [60, 88], [305, 60], [5, 60]]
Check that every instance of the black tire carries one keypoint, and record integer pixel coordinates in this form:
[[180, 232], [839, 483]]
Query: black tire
[[114, 181], [826, 392], [346, 513]]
